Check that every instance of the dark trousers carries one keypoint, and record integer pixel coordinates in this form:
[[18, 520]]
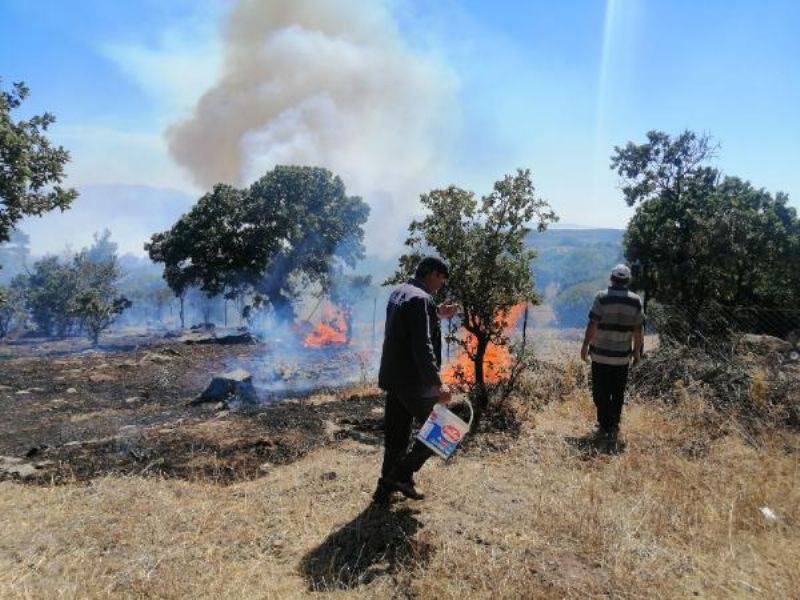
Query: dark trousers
[[402, 409], [608, 393]]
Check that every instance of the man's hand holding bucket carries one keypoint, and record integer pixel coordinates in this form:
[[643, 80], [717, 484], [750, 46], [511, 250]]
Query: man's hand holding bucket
[[445, 395]]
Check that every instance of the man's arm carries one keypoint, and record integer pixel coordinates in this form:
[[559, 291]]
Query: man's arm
[[595, 315], [421, 344], [588, 338]]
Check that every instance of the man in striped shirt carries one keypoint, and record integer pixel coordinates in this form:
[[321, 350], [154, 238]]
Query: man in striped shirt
[[614, 337]]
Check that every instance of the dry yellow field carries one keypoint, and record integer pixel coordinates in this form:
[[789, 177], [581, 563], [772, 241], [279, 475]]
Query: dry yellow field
[[676, 515]]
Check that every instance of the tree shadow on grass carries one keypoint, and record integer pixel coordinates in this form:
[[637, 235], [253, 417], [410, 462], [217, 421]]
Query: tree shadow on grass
[[378, 541], [592, 445]]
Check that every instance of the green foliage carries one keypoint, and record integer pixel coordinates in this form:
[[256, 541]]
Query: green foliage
[[698, 238], [483, 243], [568, 257], [663, 166], [98, 311], [64, 297], [275, 238], [30, 167], [51, 287]]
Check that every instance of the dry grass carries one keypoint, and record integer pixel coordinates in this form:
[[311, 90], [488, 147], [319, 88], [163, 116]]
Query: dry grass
[[676, 514]]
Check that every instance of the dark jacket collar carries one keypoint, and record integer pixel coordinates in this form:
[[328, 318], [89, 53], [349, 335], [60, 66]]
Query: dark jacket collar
[[418, 283]]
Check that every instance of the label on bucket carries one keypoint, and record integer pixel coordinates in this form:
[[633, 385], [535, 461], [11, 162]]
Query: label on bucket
[[442, 432]]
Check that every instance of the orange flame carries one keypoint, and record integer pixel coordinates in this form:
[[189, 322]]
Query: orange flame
[[496, 361], [330, 331]]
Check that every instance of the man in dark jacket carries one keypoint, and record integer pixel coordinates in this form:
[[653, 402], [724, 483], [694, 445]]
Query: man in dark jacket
[[409, 373]]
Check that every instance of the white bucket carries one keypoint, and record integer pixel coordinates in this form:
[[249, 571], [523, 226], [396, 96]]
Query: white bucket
[[443, 430]]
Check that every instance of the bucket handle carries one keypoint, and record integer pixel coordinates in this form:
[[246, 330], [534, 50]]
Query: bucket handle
[[463, 400]]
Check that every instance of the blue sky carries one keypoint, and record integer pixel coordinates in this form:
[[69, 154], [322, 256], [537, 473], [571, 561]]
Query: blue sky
[[548, 85]]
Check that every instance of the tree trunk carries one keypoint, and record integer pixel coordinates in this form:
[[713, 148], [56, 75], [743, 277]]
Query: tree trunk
[[182, 315], [480, 395]]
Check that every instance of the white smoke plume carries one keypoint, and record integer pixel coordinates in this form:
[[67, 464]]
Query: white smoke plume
[[329, 83]]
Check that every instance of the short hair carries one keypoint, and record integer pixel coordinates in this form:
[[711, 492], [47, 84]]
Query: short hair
[[431, 264]]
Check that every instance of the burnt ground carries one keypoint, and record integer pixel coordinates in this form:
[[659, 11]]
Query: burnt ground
[[68, 414]]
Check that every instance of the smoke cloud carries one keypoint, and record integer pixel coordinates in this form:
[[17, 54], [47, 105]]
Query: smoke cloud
[[329, 83]]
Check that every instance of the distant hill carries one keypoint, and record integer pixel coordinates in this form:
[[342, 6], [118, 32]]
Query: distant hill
[[566, 257], [571, 256]]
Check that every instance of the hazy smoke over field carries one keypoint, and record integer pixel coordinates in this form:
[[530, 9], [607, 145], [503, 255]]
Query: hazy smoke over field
[[329, 83]]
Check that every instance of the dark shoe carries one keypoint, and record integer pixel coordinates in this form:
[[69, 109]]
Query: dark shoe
[[383, 493], [404, 487]]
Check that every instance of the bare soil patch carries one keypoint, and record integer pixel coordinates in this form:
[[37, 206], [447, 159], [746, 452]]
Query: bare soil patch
[[81, 415]]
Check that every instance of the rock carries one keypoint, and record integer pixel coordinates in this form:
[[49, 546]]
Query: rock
[[159, 359], [224, 340], [101, 378], [769, 514], [11, 465], [132, 400], [34, 450], [329, 476], [236, 385], [764, 344], [72, 391]]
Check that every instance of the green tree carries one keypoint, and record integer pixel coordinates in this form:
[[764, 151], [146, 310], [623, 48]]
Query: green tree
[[315, 222], [698, 238], [98, 312], [30, 166], [96, 302], [275, 238], [483, 242], [64, 297], [51, 287]]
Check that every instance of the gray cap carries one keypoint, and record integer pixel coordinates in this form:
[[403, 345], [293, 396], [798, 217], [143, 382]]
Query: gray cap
[[621, 272]]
